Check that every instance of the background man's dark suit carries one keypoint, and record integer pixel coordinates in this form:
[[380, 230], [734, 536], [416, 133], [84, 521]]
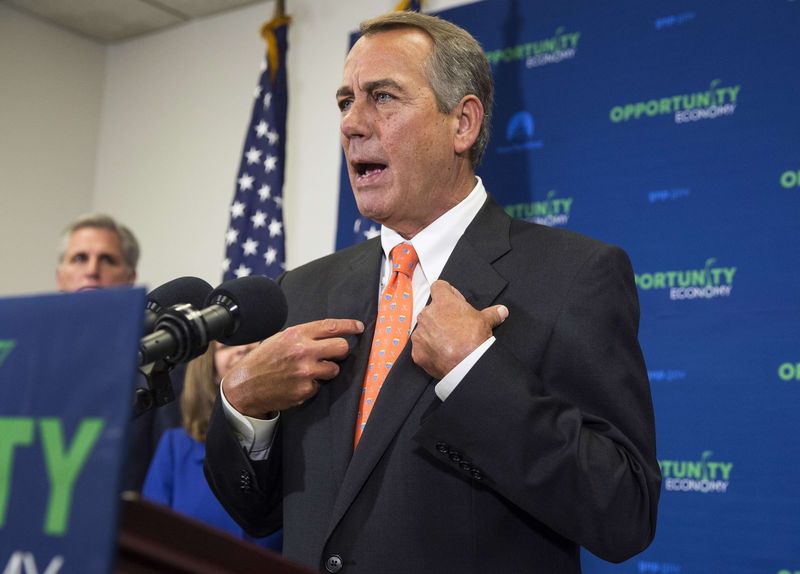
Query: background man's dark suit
[[546, 444]]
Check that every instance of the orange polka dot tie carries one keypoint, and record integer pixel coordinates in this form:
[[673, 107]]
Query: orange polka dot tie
[[392, 328]]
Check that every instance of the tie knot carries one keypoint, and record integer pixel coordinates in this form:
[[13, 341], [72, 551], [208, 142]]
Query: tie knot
[[404, 259]]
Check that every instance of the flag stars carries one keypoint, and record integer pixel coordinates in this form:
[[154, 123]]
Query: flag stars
[[231, 236], [372, 232], [262, 128], [246, 182], [242, 271], [249, 247], [255, 235], [271, 255], [275, 228], [259, 219], [237, 209], [253, 155]]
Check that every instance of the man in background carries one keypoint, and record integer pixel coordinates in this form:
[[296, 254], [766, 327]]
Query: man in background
[[97, 252]]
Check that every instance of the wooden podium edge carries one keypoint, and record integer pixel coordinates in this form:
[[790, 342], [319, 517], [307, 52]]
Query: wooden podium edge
[[153, 538]]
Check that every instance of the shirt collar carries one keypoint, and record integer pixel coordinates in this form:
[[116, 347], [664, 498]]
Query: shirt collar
[[436, 242]]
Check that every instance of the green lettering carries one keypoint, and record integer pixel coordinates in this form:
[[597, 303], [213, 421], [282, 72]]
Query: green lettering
[[786, 372], [729, 273], [703, 99], [64, 466], [6, 346], [789, 179], [644, 281], [14, 432], [726, 470]]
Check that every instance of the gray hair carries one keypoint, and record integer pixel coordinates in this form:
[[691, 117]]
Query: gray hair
[[127, 240], [457, 66]]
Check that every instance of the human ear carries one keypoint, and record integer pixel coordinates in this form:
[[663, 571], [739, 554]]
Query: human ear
[[469, 114]]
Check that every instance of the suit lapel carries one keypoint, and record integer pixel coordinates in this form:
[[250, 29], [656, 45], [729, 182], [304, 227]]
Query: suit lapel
[[470, 267], [347, 300], [470, 270]]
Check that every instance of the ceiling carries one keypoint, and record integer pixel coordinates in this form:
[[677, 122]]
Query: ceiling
[[110, 21]]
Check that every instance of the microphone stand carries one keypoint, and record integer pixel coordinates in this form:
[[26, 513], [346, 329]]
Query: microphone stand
[[159, 389]]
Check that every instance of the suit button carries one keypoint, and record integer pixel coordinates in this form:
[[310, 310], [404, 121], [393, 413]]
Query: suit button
[[333, 564], [477, 475], [442, 447], [245, 481], [455, 456], [466, 466]]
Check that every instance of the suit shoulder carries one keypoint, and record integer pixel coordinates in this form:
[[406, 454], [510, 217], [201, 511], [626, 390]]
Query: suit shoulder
[[331, 266]]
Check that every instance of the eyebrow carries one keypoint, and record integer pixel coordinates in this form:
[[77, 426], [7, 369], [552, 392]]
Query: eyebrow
[[369, 87]]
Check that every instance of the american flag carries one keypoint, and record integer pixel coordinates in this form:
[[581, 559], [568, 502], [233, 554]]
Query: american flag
[[255, 236]]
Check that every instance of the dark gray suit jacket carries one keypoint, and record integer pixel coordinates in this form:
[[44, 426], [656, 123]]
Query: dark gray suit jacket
[[547, 444]]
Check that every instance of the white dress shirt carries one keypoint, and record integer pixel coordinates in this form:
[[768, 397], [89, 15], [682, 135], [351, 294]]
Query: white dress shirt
[[433, 245]]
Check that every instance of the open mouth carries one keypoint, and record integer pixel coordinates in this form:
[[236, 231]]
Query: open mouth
[[368, 169]]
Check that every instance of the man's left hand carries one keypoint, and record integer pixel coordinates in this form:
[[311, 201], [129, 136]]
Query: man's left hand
[[449, 329]]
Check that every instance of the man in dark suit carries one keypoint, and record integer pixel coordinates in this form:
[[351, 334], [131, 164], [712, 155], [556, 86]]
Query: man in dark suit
[[516, 424]]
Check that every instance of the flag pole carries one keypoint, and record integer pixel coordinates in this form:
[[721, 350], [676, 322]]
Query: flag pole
[[279, 18]]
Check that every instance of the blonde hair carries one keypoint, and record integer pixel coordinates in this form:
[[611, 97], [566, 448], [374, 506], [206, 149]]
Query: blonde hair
[[199, 393]]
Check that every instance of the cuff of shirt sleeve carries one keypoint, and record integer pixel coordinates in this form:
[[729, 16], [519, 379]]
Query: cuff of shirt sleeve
[[452, 379], [255, 435]]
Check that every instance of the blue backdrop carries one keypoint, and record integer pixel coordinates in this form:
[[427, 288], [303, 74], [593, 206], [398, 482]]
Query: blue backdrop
[[672, 128]]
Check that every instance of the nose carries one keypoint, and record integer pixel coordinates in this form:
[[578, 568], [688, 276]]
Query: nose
[[93, 267], [355, 121]]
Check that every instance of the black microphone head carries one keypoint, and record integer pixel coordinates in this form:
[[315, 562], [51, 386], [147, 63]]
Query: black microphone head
[[191, 290], [257, 302]]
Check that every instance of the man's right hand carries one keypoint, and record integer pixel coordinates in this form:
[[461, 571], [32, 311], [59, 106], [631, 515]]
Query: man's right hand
[[284, 371]]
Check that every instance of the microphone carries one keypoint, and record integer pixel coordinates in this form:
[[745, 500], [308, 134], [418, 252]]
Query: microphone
[[238, 312], [191, 290]]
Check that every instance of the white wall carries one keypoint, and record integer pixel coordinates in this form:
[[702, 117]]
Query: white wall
[[175, 106], [51, 85]]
